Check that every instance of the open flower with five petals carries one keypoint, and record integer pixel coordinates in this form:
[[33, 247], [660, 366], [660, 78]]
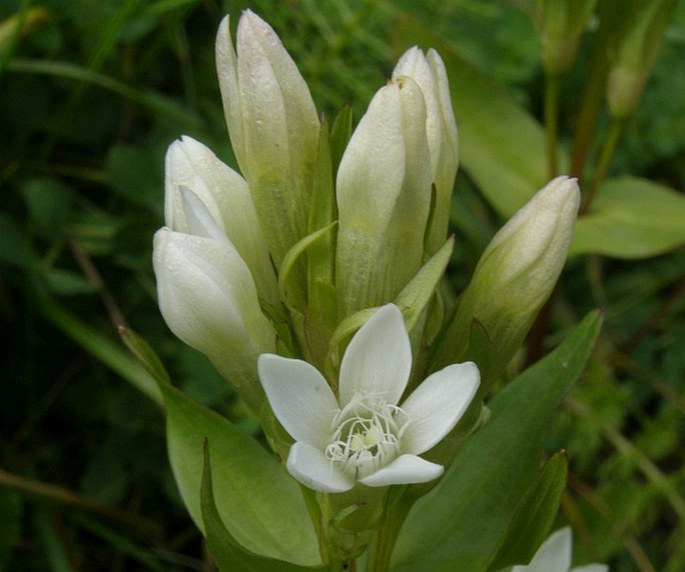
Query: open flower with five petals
[[363, 435]]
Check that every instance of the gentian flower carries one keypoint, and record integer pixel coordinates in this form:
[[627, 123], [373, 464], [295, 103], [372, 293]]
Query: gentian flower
[[515, 276], [428, 71], [362, 435], [555, 556]]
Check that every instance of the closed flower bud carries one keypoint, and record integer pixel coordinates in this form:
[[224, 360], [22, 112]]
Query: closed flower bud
[[515, 275], [441, 128], [226, 197], [273, 125], [208, 299], [560, 24], [634, 54], [383, 194]]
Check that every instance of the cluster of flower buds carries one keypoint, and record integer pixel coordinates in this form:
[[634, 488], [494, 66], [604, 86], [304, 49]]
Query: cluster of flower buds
[[270, 273]]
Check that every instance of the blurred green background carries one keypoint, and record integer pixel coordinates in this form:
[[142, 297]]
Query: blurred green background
[[93, 92]]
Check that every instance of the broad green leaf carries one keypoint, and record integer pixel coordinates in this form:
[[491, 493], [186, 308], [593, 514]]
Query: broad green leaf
[[534, 516], [228, 555], [462, 522], [631, 218], [501, 146], [259, 503]]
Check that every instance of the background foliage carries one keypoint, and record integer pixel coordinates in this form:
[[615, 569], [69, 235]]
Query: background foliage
[[92, 93]]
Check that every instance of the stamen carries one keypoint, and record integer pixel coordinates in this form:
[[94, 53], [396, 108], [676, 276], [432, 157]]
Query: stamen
[[366, 435]]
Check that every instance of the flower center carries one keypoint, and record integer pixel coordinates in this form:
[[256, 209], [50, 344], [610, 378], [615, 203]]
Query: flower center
[[366, 435]]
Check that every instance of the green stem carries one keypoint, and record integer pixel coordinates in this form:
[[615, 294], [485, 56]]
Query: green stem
[[63, 496], [593, 95], [384, 542], [552, 87], [608, 148]]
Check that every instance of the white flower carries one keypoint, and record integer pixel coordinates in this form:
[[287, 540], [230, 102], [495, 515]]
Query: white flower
[[555, 556], [273, 125], [428, 71], [363, 435], [209, 300], [383, 194], [222, 198]]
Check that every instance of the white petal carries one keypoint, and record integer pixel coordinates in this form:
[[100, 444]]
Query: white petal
[[378, 358], [208, 297], [309, 466], [209, 300], [591, 568], [553, 556], [200, 221], [299, 397], [435, 406], [227, 70], [405, 470]]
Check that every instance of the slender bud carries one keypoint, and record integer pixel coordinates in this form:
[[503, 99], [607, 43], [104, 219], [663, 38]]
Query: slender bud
[[514, 277], [383, 193], [208, 299], [633, 57], [560, 24], [273, 125], [429, 73]]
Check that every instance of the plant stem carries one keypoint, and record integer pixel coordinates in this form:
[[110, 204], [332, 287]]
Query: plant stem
[[610, 143], [552, 87], [384, 541], [61, 495]]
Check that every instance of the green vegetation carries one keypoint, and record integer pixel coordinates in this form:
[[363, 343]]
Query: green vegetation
[[93, 92]]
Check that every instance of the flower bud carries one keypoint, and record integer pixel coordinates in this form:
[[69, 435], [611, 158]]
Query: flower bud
[[441, 129], [273, 126], [208, 299], [383, 193], [635, 53], [515, 276], [560, 24], [226, 197]]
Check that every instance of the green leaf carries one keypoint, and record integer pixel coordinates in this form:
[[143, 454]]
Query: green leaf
[[260, 504], [228, 554], [501, 146], [135, 173], [462, 522], [144, 353], [416, 295], [321, 312], [11, 508], [340, 135], [161, 105], [100, 346], [14, 246], [631, 218], [287, 278], [534, 516]]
